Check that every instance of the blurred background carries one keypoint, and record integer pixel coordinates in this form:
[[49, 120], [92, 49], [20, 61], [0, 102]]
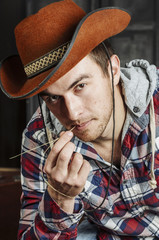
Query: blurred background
[[139, 40]]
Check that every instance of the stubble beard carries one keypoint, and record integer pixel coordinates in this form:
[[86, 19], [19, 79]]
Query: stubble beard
[[97, 130]]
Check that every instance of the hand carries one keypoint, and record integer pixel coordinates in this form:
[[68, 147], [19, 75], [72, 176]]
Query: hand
[[67, 172]]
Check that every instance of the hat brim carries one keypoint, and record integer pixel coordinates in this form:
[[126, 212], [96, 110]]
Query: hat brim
[[93, 29]]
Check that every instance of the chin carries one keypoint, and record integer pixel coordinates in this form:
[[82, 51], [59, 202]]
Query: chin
[[92, 134], [85, 137]]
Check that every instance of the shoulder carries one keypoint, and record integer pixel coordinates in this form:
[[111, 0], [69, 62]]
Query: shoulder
[[36, 121], [41, 120], [34, 130]]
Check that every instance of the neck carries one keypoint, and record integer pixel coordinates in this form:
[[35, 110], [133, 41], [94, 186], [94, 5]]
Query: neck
[[103, 145]]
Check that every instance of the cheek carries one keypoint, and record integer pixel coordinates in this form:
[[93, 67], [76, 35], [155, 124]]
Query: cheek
[[100, 98], [55, 110]]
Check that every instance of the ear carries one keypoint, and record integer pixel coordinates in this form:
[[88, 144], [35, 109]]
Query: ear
[[116, 68]]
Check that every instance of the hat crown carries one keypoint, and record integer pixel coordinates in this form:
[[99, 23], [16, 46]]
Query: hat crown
[[49, 28], [43, 36]]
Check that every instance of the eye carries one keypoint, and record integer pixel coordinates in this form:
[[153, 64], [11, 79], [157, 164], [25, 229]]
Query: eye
[[52, 99], [80, 86]]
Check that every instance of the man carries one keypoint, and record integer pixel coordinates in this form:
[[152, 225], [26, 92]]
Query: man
[[90, 149]]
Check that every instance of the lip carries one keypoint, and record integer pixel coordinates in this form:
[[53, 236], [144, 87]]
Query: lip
[[82, 126]]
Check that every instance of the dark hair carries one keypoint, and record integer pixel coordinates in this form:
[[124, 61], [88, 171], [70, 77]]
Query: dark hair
[[100, 56]]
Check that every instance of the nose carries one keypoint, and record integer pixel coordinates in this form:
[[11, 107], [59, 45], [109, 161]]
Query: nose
[[73, 107]]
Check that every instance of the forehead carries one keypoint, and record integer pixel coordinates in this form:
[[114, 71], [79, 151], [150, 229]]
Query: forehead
[[84, 69], [85, 65]]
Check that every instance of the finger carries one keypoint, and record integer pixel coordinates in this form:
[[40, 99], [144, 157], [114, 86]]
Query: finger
[[84, 171], [64, 138], [56, 149], [61, 133], [75, 165], [64, 157]]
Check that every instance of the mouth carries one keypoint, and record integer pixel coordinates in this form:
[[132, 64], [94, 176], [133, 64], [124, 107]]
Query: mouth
[[82, 126]]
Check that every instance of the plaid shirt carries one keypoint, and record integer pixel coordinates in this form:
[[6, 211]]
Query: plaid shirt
[[131, 210]]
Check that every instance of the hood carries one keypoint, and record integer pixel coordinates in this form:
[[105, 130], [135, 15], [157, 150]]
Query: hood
[[138, 80]]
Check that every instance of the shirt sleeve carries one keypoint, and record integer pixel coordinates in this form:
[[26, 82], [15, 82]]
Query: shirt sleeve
[[41, 217]]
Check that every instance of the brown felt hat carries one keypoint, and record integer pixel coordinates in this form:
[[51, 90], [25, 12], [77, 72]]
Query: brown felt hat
[[53, 41]]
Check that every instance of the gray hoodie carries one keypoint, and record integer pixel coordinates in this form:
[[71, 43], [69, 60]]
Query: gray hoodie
[[138, 80]]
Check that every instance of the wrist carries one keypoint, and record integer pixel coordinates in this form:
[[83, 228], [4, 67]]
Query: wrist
[[66, 203]]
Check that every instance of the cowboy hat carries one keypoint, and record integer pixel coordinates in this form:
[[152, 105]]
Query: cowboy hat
[[53, 41]]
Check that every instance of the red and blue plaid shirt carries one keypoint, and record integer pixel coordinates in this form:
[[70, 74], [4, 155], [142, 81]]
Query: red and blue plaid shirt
[[131, 209]]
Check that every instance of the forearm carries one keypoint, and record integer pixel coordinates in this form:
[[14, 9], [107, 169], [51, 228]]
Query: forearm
[[50, 221]]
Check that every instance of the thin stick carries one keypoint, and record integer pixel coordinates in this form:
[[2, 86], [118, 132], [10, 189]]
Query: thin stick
[[30, 150]]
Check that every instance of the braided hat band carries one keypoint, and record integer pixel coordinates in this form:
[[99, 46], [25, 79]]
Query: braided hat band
[[45, 62]]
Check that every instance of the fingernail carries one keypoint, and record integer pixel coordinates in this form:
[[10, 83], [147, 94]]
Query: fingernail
[[69, 133]]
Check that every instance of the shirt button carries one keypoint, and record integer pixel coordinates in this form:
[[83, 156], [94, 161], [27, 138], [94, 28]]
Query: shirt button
[[124, 181], [136, 109], [142, 214]]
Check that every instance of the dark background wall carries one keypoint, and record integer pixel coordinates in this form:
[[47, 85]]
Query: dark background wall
[[12, 113], [140, 40]]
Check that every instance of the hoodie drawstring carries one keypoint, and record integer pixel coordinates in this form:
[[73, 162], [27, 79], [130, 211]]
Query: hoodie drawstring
[[153, 182]]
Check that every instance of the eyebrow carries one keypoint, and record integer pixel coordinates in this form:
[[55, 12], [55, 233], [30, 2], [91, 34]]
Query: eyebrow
[[80, 78]]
